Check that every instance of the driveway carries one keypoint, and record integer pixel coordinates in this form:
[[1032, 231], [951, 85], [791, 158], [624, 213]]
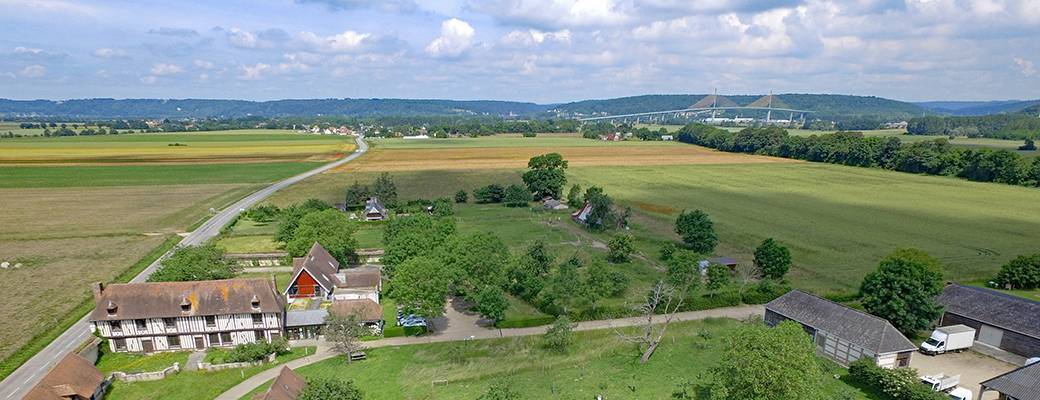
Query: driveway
[[971, 366]]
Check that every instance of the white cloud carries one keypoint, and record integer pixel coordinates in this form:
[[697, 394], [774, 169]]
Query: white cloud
[[534, 37], [163, 69], [243, 39], [109, 53], [203, 64], [33, 71], [253, 72], [343, 42], [456, 37], [26, 50], [556, 14], [149, 79], [1025, 67]]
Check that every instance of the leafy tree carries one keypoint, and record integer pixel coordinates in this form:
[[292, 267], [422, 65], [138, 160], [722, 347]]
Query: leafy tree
[[1033, 173], [526, 277], [773, 259], [493, 193], [667, 250], [476, 260], [195, 263], [684, 269], [420, 286], [357, 194], [718, 277], [291, 217], [545, 176], [564, 288], [749, 368], [516, 196], [620, 248], [385, 189], [903, 290], [461, 196], [574, 197], [330, 388], [331, 228], [601, 281], [263, 213], [559, 336], [697, 231], [500, 391], [602, 215], [1021, 273], [490, 303], [413, 236], [541, 256], [344, 332]]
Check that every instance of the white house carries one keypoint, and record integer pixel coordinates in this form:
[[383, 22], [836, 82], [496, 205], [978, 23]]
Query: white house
[[160, 316]]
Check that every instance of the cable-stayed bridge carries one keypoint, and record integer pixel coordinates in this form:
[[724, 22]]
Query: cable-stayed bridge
[[710, 107]]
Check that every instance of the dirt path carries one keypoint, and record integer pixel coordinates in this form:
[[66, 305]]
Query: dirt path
[[459, 331]]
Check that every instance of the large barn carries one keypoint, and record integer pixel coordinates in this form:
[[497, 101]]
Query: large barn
[[841, 333], [1000, 320]]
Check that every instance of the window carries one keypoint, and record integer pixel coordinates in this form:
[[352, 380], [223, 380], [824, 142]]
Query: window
[[141, 324], [117, 327], [174, 342], [258, 319], [120, 344], [225, 338], [211, 321], [214, 340], [170, 323], [259, 335]]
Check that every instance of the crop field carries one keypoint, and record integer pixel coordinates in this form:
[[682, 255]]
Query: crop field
[[596, 364], [88, 208], [210, 147], [838, 221]]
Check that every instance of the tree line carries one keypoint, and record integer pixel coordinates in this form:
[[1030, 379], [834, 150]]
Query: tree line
[[937, 157], [998, 126]]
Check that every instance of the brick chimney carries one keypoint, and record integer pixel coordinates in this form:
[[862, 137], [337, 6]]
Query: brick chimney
[[97, 288]]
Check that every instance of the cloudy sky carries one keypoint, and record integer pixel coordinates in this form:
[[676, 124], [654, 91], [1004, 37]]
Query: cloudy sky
[[531, 50]]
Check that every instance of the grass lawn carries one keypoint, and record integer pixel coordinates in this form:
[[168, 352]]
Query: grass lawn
[[597, 364], [249, 244], [369, 235], [148, 175], [195, 385], [1026, 294], [133, 362]]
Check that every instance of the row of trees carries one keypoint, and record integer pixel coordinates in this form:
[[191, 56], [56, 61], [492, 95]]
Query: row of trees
[[936, 157], [1002, 126]]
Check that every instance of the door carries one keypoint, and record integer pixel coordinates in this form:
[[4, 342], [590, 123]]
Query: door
[[147, 345], [990, 335], [199, 343]]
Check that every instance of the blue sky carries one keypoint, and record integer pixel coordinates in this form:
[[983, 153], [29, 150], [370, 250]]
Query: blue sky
[[530, 50]]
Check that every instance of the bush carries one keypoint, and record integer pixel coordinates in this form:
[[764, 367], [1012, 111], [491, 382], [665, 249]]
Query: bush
[[558, 337], [764, 292], [249, 352], [1021, 273], [461, 196], [493, 193], [525, 322], [666, 251], [529, 134], [516, 196], [717, 300], [620, 247], [896, 384], [398, 331], [263, 213]]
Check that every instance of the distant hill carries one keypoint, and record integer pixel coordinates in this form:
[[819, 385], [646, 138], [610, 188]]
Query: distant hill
[[978, 108], [195, 108], [834, 107]]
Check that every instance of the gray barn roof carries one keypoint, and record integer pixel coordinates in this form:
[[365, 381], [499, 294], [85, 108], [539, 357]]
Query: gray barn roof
[[1022, 383], [993, 308], [871, 332], [305, 318]]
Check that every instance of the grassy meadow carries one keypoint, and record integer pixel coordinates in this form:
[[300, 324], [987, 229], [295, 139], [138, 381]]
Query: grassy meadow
[[596, 364], [88, 208]]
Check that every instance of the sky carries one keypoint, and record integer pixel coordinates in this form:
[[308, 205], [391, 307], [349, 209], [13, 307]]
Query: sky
[[544, 51]]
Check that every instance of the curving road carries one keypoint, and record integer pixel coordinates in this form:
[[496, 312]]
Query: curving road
[[21, 380]]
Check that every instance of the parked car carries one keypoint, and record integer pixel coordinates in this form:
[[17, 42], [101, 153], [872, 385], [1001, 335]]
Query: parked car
[[949, 338]]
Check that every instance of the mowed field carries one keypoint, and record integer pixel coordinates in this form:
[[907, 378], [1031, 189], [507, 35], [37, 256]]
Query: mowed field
[[838, 221], [81, 209]]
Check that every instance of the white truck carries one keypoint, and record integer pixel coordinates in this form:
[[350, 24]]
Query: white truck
[[948, 384], [949, 338]]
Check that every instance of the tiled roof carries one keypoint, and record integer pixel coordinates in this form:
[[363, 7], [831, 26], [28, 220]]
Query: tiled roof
[[868, 331], [287, 386], [365, 309], [1022, 383], [363, 277], [321, 266], [169, 299], [72, 376], [993, 308]]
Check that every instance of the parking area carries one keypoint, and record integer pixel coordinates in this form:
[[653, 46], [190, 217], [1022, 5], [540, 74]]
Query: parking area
[[971, 366]]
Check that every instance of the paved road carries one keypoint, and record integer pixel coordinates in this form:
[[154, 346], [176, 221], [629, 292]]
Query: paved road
[[21, 380], [466, 333]]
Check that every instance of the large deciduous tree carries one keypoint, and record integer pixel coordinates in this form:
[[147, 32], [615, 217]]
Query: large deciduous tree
[[697, 231], [356, 196], [385, 189], [416, 235], [1021, 273], [290, 217], [620, 248], [195, 263], [331, 228], [574, 197], [420, 286], [762, 363], [903, 290], [546, 175], [516, 196], [773, 259], [344, 332], [490, 303]]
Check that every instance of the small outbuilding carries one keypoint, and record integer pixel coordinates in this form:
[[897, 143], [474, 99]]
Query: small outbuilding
[[841, 333], [1019, 384], [374, 210], [1007, 322], [72, 378], [287, 386]]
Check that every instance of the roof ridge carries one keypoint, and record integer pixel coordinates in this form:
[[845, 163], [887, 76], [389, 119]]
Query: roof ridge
[[845, 306]]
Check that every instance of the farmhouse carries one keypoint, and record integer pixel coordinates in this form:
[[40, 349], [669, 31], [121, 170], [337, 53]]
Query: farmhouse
[[841, 333], [1003, 321], [74, 378], [582, 215], [287, 386], [374, 210], [147, 317], [318, 276], [1019, 384]]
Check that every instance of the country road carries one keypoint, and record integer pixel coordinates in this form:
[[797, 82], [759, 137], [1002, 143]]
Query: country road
[[21, 380]]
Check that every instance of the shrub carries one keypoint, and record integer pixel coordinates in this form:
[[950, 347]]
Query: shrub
[[620, 247], [1021, 273], [764, 292], [398, 331], [263, 213], [525, 322], [493, 193], [897, 384], [461, 196], [666, 251], [257, 351], [558, 337], [516, 196]]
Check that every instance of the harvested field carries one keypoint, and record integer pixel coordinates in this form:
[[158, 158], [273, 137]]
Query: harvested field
[[662, 153]]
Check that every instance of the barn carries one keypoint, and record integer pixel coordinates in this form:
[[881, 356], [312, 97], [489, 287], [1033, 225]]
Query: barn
[[840, 333], [1000, 320], [1019, 384]]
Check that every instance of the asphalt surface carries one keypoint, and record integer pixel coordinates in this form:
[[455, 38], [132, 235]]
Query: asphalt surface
[[26, 376]]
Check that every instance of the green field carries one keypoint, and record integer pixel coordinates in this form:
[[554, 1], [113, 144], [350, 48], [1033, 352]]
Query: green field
[[597, 364], [148, 175]]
